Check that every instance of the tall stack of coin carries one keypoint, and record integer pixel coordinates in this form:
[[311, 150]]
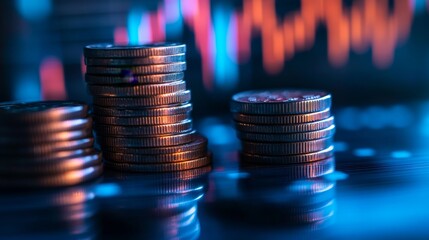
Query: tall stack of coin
[[284, 126], [142, 108], [46, 144]]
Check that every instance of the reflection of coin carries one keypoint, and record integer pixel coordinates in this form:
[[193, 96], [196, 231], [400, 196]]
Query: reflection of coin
[[276, 102], [289, 159]]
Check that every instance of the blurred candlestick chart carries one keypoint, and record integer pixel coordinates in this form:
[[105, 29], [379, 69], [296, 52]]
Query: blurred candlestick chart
[[365, 24], [225, 34]]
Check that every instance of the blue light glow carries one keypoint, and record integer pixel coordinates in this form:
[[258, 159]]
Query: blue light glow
[[348, 118], [341, 146], [375, 117], [34, 10], [400, 154], [134, 19], [400, 116], [107, 190], [27, 87], [174, 18], [364, 152], [226, 70]]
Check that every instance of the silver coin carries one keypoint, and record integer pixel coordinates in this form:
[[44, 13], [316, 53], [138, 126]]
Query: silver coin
[[289, 159], [45, 111], [278, 102], [289, 148], [146, 130], [164, 167], [107, 50], [292, 137], [47, 127], [61, 165], [133, 70], [142, 142], [162, 158], [282, 119], [28, 139], [138, 121], [277, 129], [175, 109], [139, 102], [134, 79], [199, 142], [68, 178], [47, 148], [135, 61], [137, 90]]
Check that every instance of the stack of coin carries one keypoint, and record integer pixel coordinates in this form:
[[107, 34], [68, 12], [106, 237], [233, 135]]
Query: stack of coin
[[46, 144], [142, 108], [284, 126]]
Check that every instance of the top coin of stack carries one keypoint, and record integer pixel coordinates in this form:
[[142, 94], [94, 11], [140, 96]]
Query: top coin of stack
[[142, 108], [284, 126], [46, 144]]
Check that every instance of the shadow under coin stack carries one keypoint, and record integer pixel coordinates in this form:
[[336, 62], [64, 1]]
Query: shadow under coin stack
[[46, 144], [142, 108], [284, 126]]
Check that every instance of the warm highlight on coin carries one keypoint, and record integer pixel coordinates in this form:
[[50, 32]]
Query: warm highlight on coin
[[46, 144], [142, 107], [284, 126]]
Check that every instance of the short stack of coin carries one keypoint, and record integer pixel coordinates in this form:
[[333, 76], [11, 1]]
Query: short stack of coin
[[284, 126], [46, 144], [142, 108]]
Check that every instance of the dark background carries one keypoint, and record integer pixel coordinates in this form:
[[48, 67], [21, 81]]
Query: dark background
[[42, 41]]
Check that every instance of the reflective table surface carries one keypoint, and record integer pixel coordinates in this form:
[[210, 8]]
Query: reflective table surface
[[376, 187]]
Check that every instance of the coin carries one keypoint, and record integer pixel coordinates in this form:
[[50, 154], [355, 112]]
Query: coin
[[292, 137], [146, 130], [164, 158], [48, 127], [61, 165], [158, 141], [133, 79], [143, 69], [47, 148], [199, 142], [107, 50], [137, 121], [277, 102], [164, 167], [50, 157], [37, 112], [304, 170], [289, 159], [149, 60], [14, 139], [296, 128], [289, 148], [282, 119], [138, 102], [136, 90], [175, 109], [53, 180]]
